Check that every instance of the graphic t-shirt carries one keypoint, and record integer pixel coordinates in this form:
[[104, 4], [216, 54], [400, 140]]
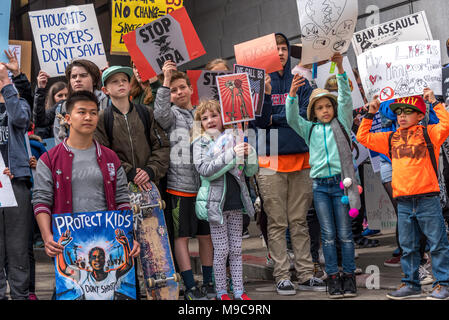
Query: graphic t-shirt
[[4, 133], [98, 290]]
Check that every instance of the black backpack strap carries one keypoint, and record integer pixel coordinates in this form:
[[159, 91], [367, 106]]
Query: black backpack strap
[[144, 116], [109, 123], [351, 145], [431, 150], [311, 129], [389, 145]]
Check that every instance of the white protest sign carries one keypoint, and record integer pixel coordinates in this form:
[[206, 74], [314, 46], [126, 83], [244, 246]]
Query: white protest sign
[[326, 78], [327, 27], [401, 69], [379, 210], [7, 198], [65, 34], [408, 28]]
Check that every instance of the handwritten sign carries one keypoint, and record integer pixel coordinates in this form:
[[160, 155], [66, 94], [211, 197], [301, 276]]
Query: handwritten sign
[[65, 34], [257, 83], [259, 53], [401, 69], [95, 263], [235, 98], [326, 26], [327, 79], [408, 28], [445, 89], [5, 11], [128, 15], [204, 84], [7, 197], [172, 37]]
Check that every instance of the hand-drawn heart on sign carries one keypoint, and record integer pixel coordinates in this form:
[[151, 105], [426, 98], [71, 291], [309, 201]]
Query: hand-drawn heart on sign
[[326, 14], [373, 79]]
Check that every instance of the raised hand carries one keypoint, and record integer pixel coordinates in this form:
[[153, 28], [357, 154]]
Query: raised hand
[[168, 68], [42, 79], [13, 64], [428, 95], [374, 105], [297, 82], [267, 84]]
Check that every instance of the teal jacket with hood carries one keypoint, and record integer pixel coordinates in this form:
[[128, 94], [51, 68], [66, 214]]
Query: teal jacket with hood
[[324, 158]]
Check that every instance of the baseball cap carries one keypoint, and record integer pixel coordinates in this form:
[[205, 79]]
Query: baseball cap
[[414, 102], [116, 69]]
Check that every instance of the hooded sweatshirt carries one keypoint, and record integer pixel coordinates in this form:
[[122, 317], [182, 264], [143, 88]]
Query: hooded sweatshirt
[[289, 142]]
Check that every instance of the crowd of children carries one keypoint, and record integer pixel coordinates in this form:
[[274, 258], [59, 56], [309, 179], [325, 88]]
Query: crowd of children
[[111, 128]]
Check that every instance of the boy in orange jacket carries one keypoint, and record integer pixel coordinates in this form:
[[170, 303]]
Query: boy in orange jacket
[[413, 150]]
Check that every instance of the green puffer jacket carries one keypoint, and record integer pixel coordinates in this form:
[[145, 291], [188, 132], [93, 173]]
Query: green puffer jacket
[[212, 160]]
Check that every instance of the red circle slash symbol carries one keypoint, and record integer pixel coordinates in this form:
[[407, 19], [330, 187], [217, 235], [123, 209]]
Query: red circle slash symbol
[[386, 94]]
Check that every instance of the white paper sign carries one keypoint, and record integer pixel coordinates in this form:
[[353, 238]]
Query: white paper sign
[[327, 80], [7, 198], [65, 34], [408, 28], [401, 69], [327, 27]]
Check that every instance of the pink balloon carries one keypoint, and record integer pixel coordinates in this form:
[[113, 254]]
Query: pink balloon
[[342, 187], [360, 189], [353, 212]]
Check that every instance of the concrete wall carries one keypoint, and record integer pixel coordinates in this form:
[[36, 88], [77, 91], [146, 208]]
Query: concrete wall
[[223, 23]]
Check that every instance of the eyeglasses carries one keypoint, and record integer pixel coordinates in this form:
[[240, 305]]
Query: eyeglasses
[[406, 111]]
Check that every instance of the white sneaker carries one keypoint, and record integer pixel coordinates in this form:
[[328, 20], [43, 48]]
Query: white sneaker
[[425, 277]]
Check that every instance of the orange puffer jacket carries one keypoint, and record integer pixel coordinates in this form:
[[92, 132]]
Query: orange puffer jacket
[[413, 173]]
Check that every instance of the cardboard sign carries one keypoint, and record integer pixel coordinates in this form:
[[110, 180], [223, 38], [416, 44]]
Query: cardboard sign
[[204, 84], [327, 79], [235, 98], [259, 53], [326, 27], [65, 34], [401, 69], [23, 51], [5, 11], [7, 197], [95, 264], [127, 16], [408, 28], [257, 83], [172, 37], [379, 210]]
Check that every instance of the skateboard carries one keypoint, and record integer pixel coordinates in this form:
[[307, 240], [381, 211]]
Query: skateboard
[[156, 259]]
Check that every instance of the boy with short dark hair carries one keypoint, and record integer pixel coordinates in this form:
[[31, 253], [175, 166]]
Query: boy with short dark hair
[[413, 150]]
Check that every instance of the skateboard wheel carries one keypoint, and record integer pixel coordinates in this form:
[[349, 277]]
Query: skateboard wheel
[[163, 205], [176, 277], [151, 282]]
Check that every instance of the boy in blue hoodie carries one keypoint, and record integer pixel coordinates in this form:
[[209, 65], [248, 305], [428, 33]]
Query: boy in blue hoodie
[[284, 182]]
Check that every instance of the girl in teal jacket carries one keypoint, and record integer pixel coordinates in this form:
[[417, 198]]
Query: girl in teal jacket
[[329, 123]]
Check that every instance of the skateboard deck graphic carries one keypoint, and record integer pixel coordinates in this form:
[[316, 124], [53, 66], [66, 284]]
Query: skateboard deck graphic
[[161, 279]]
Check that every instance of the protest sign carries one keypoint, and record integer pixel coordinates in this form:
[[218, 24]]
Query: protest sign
[[401, 69], [5, 11], [7, 197], [326, 27], [23, 52], [257, 84], [327, 79], [95, 263], [235, 98], [445, 77], [259, 53], [379, 210], [127, 16], [172, 37], [408, 28], [204, 84], [65, 34]]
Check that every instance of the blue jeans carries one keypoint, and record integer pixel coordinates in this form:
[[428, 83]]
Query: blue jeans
[[335, 223], [416, 215]]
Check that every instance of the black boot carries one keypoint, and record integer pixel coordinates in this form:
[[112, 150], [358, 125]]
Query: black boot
[[334, 286], [349, 285]]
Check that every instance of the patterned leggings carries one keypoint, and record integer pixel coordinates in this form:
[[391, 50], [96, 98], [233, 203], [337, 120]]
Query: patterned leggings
[[227, 240]]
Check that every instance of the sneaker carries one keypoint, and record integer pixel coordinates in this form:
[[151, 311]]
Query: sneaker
[[224, 297], [394, 262], [209, 290], [243, 297], [349, 285], [245, 234], [285, 288], [439, 293], [32, 296], [404, 292], [318, 271], [195, 294], [425, 277], [369, 232], [313, 284], [334, 287]]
